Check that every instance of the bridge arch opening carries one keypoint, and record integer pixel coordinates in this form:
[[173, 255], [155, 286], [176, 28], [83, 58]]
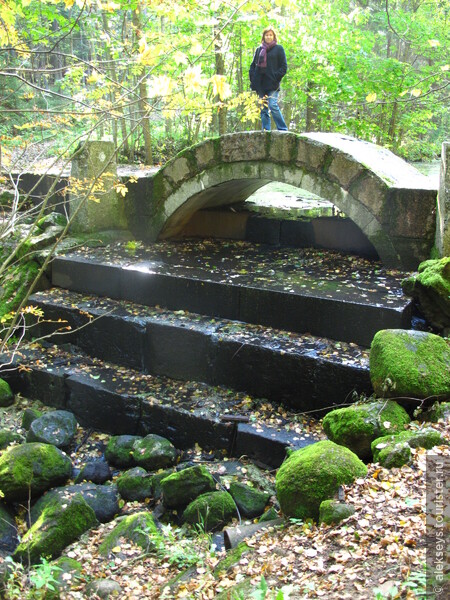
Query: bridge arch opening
[[281, 214]]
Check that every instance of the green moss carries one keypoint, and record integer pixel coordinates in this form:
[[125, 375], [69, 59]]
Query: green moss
[[210, 511], [439, 410], [139, 528], [232, 557], [182, 487], [9, 437], [332, 511], [313, 474], [6, 394], [32, 468], [16, 283], [119, 450], [395, 455], [250, 501], [355, 427], [58, 526], [154, 452], [421, 438], [135, 484], [409, 363]]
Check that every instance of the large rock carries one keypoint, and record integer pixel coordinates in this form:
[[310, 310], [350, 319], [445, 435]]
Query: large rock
[[139, 528], [182, 487], [58, 526], [103, 499], [410, 364], [57, 427], [31, 469], [415, 438], [210, 511], [250, 501], [154, 452], [333, 511], [119, 450], [313, 474], [430, 286], [135, 484], [6, 395], [356, 426], [96, 471]]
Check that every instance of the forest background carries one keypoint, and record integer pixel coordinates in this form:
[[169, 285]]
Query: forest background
[[160, 75]]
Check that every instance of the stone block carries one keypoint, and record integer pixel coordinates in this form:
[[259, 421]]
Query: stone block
[[177, 170], [243, 146], [282, 147], [98, 208], [344, 169], [311, 153], [205, 154], [371, 192]]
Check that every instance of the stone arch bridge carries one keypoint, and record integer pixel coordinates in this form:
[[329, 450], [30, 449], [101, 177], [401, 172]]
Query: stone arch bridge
[[390, 201]]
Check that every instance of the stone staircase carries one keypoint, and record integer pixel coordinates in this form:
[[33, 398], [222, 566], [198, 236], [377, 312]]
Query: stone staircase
[[219, 343]]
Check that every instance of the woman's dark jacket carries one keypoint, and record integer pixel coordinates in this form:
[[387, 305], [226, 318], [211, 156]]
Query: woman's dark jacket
[[268, 80]]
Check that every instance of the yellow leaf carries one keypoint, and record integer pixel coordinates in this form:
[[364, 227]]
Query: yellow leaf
[[434, 43], [193, 79], [116, 549], [445, 67], [220, 87], [371, 97], [416, 92]]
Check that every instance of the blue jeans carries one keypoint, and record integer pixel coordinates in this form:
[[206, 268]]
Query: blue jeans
[[272, 100]]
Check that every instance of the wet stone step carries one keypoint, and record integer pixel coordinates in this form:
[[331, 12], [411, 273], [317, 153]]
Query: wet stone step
[[302, 371], [120, 400], [322, 293]]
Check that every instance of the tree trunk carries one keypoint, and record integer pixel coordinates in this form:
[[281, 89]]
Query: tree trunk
[[143, 107]]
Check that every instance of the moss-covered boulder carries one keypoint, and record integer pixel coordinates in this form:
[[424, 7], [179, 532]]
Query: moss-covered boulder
[[410, 363], [250, 501], [57, 427], [31, 469], [28, 416], [58, 526], [154, 452], [6, 394], [139, 528], [439, 411], [356, 426], [430, 286], [416, 438], [210, 511], [182, 487], [394, 455], [8, 437], [119, 450], [135, 484], [103, 499], [313, 474], [332, 511]]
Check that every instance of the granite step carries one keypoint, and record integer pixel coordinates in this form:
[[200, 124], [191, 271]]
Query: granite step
[[303, 372], [120, 400], [344, 298]]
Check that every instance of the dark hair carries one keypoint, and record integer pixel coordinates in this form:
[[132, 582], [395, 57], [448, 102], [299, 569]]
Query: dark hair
[[272, 30]]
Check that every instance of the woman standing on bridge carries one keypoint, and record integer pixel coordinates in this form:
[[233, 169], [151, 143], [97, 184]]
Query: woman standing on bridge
[[268, 68]]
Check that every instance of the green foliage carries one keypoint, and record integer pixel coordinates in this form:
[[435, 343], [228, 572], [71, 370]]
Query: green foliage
[[33, 583], [378, 75]]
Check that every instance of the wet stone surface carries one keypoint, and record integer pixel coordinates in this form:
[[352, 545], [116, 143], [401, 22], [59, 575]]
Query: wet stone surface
[[319, 273]]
